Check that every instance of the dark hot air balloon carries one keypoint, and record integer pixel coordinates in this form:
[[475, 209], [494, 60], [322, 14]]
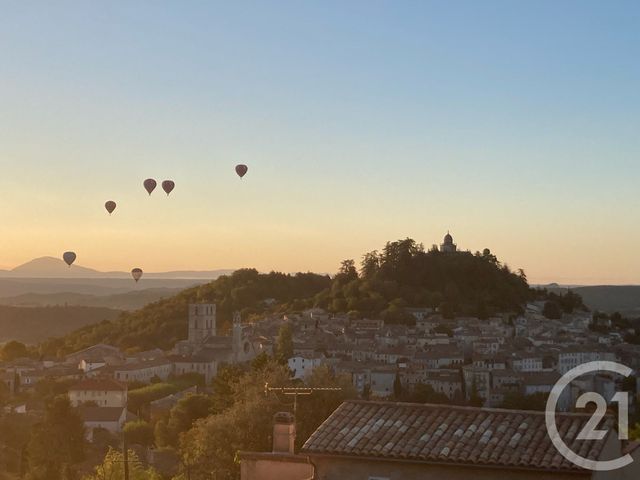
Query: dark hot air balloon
[[168, 186], [241, 170], [69, 257], [110, 206], [150, 185], [136, 273]]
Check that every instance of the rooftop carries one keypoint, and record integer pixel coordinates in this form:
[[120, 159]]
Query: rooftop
[[447, 434], [98, 384]]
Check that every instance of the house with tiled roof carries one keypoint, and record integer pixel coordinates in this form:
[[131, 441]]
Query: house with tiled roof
[[102, 392], [111, 419], [144, 371], [408, 441]]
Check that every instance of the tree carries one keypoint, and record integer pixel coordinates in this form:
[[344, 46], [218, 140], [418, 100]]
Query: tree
[[139, 432], [111, 468], [315, 408], [348, 270], [475, 399], [397, 387], [284, 343], [208, 450], [14, 435], [12, 350], [423, 393], [552, 310], [4, 394], [184, 414], [223, 386], [57, 443], [519, 401], [370, 265]]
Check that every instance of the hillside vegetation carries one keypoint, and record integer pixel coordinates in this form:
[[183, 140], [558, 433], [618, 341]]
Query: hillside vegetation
[[35, 324], [403, 274], [163, 323]]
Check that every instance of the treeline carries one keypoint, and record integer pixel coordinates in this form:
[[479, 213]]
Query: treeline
[[557, 304], [403, 275], [161, 324]]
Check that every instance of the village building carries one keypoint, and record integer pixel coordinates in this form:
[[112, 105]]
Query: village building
[[144, 371], [111, 419]]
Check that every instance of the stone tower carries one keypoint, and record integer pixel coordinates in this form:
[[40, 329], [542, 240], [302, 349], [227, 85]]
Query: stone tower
[[202, 321]]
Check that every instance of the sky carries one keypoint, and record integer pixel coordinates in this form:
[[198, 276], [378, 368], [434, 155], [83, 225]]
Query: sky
[[513, 125]]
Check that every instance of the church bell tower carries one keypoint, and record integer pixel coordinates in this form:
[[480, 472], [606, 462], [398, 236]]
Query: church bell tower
[[202, 321]]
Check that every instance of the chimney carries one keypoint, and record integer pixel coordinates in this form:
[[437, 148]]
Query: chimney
[[284, 432]]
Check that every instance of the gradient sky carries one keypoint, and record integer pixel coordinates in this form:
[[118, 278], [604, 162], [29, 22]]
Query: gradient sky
[[515, 125]]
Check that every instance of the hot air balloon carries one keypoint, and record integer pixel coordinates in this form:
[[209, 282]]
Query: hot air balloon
[[150, 185], [110, 206], [69, 258], [241, 170], [136, 273], [168, 186]]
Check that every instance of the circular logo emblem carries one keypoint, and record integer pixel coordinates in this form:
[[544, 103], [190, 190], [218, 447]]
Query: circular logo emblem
[[552, 428]]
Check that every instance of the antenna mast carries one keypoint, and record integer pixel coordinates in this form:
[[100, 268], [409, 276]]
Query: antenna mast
[[295, 391]]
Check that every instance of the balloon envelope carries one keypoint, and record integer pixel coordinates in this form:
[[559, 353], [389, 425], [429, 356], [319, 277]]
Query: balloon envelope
[[168, 185], [110, 206], [136, 273], [150, 185], [241, 170], [69, 257]]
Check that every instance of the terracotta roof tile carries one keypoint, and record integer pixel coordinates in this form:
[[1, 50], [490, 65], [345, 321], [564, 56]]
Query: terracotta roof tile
[[449, 434]]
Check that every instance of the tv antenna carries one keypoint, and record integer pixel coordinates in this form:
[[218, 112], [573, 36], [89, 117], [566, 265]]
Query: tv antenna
[[296, 391]]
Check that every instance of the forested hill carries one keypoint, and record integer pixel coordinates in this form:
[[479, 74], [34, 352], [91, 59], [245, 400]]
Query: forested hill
[[402, 275], [162, 323]]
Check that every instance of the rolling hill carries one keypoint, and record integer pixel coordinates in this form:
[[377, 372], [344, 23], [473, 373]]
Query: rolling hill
[[612, 298], [132, 300], [606, 298], [35, 324]]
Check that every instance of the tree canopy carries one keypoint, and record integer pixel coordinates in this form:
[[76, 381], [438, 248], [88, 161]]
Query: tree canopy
[[403, 275]]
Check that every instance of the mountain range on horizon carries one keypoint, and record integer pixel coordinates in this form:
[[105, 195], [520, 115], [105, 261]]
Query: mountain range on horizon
[[51, 267]]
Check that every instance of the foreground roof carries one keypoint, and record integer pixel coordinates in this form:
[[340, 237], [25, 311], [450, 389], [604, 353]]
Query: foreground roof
[[448, 434]]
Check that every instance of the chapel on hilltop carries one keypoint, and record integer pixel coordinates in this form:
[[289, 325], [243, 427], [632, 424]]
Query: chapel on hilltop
[[447, 246]]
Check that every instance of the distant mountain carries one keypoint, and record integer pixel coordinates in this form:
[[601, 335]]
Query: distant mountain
[[122, 301], [51, 267], [606, 298]]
